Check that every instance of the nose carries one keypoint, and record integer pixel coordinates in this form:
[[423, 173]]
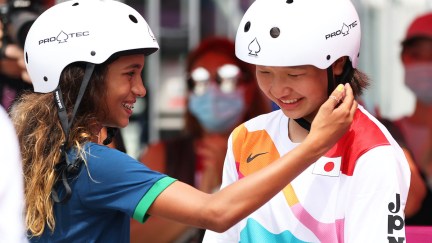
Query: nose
[[280, 86], [138, 88]]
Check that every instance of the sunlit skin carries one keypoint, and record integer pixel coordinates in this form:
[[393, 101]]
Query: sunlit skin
[[124, 85], [299, 90]]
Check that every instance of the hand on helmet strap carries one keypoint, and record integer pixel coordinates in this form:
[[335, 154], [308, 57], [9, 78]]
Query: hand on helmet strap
[[331, 83]]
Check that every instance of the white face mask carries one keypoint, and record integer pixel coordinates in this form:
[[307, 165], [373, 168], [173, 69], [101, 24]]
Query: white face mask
[[418, 77]]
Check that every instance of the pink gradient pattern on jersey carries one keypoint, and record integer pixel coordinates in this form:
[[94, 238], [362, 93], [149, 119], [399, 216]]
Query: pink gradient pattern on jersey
[[325, 232]]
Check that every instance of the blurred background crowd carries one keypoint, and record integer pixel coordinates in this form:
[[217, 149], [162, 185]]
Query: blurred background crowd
[[396, 53], [181, 25]]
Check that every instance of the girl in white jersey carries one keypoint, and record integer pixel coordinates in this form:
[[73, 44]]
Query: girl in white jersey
[[85, 59], [357, 191]]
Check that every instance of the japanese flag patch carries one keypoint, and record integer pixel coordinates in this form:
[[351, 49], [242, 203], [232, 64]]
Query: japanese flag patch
[[327, 166]]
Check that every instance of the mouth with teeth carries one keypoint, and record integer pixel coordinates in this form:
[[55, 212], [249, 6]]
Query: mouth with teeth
[[289, 101], [128, 106], [289, 104]]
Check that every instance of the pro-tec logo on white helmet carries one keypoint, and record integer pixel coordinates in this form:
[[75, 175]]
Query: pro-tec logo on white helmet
[[82, 31], [254, 48], [344, 31], [63, 37], [302, 32]]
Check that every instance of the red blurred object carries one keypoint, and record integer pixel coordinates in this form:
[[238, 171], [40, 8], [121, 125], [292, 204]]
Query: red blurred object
[[418, 234], [420, 27]]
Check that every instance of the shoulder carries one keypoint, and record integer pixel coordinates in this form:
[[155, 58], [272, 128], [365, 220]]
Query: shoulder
[[104, 164], [102, 159], [366, 133], [259, 131], [261, 122]]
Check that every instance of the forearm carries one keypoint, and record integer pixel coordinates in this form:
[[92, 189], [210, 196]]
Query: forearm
[[240, 199], [223, 209]]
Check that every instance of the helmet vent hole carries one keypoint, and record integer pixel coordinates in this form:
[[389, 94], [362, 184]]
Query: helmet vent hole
[[93, 53], [133, 19], [289, 1], [26, 57], [275, 32], [247, 26], [75, 4], [45, 79], [328, 57]]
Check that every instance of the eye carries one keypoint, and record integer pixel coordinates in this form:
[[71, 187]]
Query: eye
[[131, 73], [295, 75], [262, 72]]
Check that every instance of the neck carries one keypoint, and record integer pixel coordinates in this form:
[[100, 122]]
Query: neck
[[97, 134], [296, 132]]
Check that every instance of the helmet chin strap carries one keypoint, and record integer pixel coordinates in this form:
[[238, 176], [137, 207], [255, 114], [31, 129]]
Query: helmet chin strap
[[330, 87], [111, 132], [66, 166]]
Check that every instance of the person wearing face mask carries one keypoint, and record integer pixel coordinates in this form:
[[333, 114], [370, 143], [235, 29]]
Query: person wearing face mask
[[222, 93], [416, 57], [218, 105]]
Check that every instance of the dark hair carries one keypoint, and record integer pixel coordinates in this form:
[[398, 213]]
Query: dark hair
[[358, 80]]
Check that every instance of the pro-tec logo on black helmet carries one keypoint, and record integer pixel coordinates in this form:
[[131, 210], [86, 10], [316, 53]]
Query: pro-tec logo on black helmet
[[62, 37]]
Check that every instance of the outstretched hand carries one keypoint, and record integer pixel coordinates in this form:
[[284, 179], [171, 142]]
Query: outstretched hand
[[334, 117]]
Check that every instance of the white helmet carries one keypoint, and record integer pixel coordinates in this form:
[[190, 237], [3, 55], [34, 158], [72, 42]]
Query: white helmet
[[82, 30], [299, 32]]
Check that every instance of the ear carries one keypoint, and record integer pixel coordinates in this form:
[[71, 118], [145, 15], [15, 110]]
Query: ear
[[338, 66]]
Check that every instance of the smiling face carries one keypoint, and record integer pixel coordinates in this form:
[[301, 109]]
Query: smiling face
[[123, 86], [299, 91]]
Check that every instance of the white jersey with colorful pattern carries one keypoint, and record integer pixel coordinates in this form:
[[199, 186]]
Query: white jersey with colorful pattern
[[355, 193]]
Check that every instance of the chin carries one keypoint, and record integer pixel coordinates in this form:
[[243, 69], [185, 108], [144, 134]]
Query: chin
[[297, 115], [122, 125], [118, 124], [291, 115]]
